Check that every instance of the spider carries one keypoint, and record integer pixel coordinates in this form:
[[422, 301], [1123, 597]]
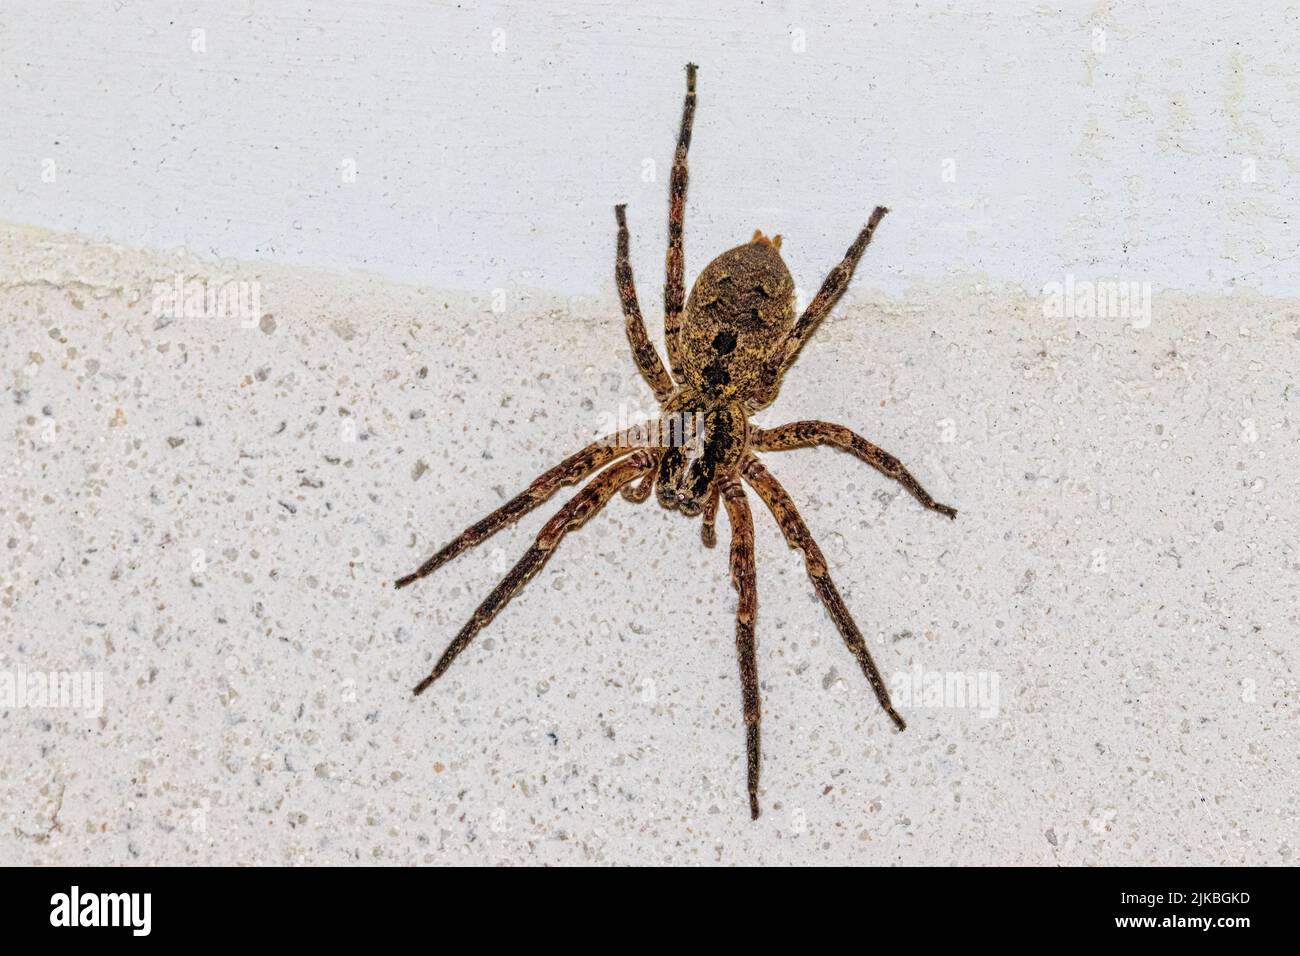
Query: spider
[[729, 345]]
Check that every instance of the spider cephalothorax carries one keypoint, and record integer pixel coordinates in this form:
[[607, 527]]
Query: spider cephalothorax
[[728, 347]]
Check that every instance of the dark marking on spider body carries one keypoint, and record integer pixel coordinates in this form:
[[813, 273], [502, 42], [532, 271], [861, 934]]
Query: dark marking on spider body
[[689, 472], [729, 344]]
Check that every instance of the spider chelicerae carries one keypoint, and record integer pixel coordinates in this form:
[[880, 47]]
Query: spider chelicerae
[[729, 345]]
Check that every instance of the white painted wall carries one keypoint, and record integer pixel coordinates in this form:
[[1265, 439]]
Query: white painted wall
[[491, 140]]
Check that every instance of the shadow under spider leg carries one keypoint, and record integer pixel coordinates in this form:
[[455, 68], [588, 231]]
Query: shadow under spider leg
[[798, 536], [568, 472], [744, 581], [811, 434], [579, 509]]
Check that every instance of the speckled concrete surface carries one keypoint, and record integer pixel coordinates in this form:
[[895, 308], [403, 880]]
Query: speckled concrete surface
[[208, 516]]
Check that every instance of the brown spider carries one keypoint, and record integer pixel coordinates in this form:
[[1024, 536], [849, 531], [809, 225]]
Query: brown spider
[[728, 349]]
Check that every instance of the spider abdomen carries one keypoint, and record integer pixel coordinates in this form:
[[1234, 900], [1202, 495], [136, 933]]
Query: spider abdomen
[[740, 308]]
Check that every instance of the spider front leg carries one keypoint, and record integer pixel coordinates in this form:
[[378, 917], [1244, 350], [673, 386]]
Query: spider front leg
[[811, 434], [797, 536], [643, 352], [744, 580], [675, 261], [580, 508], [570, 471], [832, 288]]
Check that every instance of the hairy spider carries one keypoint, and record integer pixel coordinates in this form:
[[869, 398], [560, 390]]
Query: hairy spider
[[728, 349]]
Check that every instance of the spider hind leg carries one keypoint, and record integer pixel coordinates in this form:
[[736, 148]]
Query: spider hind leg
[[799, 537], [744, 580]]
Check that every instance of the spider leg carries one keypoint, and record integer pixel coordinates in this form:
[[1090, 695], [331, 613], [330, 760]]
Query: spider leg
[[570, 471], [709, 531], [811, 434], [573, 515], [832, 288], [797, 535], [643, 352], [675, 262], [743, 579]]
